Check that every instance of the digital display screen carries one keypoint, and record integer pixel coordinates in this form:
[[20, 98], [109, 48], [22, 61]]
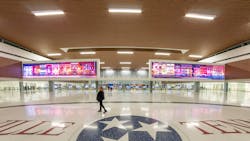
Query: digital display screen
[[193, 71], [61, 69]]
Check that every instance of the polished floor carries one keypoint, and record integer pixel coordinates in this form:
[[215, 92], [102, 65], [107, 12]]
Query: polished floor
[[131, 116], [235, 98]]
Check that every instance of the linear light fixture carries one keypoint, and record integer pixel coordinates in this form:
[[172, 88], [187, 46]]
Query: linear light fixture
[[125, 68], [87, 52], [144, 68], [125, 63], [200, 16], [48, 12], [54, 54], [125, 10], [195, 56], [162, 53], [102, 63], [125, 52], [106, 67], [147, 63]]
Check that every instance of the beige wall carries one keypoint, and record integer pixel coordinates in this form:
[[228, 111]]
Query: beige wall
[[10, 68], [238, 70]]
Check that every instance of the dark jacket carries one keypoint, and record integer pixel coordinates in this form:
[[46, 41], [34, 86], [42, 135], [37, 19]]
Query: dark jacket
[[100, 96]]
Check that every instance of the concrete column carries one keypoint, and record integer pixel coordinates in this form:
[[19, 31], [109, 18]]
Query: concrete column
[[225, 91], [51, 86], [21, 86], [196, 91], [21, 90], [97, 85], [225, 87], [197, 87], [151, 87], [123, 87]]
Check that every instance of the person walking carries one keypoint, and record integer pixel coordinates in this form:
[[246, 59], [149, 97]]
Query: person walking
[[100, 97]]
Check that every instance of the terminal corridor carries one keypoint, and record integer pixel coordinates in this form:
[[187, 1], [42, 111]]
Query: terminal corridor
[[127, 70]]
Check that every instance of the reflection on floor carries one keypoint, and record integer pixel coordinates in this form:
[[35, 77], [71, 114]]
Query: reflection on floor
[[125, 122], [11, 98]]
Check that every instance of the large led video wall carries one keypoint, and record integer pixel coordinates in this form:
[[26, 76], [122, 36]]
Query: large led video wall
[[161, 69], [83, 69]]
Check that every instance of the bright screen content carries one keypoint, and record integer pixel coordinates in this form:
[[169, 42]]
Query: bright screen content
[[188, 71], [65, 69]]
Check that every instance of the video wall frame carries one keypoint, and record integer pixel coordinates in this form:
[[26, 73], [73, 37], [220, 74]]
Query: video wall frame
[[72, 69], [185, 71]]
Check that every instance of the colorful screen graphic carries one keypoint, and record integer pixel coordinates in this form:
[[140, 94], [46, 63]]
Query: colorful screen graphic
[[195, 71], [63, 69]]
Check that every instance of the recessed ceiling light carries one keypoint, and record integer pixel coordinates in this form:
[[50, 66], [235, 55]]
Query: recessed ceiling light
[[102, 63], [125, 52], [248, 24], [125, 68], [87, 52], [106, 67], [200, 16], [162, 53], [125, 63], [125, 10], [54, 54], [195, 56], [48, 12]]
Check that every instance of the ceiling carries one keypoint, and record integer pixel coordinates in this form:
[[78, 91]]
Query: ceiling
[[162, 24]]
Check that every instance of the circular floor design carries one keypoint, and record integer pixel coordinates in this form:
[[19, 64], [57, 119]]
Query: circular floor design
[[128, 128]]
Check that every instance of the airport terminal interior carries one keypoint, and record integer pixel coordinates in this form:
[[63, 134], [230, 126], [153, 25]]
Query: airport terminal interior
[[164, 70]]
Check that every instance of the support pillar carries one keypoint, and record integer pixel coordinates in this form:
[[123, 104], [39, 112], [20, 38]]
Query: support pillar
[[123, 87], [151, 87], [225, 87], [51, 86], [97, 86], [196, 91], [21, 86], [197, 87], [21, 90], [51, 91], [225, 91]]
